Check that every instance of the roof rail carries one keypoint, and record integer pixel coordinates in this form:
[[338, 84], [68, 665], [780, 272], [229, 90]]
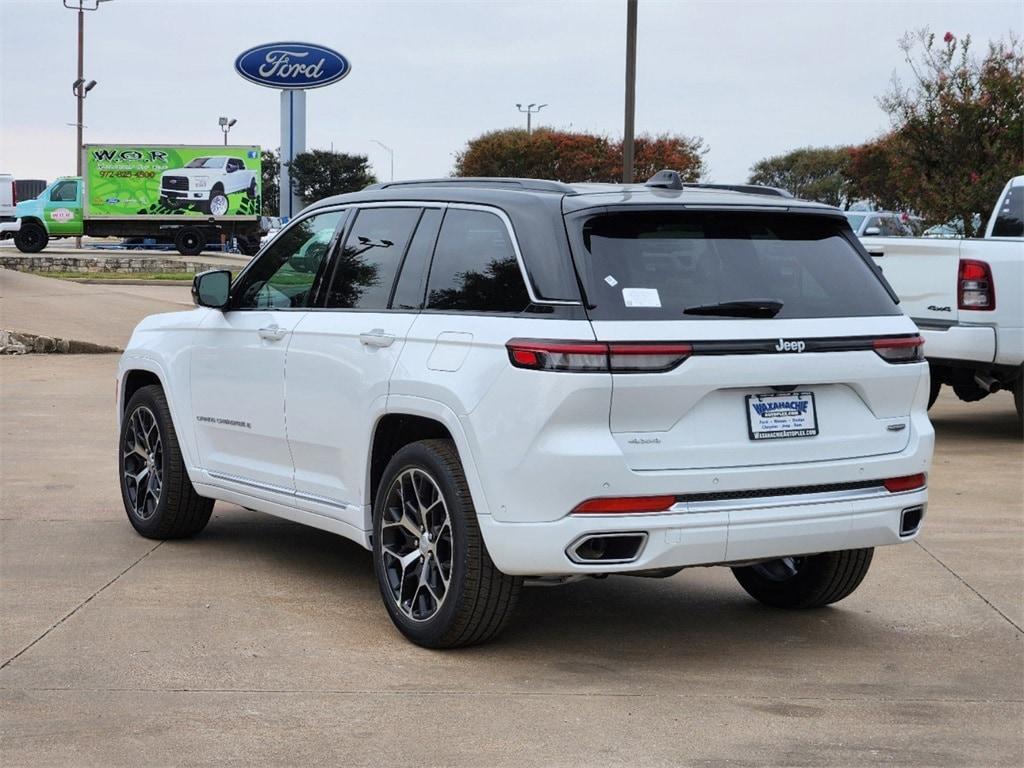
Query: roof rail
[[669, 179], [534, 185]]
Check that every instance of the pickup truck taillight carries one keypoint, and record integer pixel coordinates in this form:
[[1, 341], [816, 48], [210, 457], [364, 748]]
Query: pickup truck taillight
[[975, 289]]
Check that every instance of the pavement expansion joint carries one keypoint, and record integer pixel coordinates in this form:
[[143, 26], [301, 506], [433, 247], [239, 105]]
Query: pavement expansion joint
[[82, 604], [967, 584]]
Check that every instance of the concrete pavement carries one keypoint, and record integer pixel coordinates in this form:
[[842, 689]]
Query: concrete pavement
[[101, 314], [263, 642]]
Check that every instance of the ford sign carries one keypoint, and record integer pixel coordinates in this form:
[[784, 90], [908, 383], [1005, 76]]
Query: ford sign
[[292, 66]]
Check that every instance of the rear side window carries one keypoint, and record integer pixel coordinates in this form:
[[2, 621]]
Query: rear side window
[[475, 267], [1010, 218], [365, 268], [654, 265], [411, 280]]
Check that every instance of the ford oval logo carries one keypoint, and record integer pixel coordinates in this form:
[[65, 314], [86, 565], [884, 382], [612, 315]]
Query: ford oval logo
[[292, 65]]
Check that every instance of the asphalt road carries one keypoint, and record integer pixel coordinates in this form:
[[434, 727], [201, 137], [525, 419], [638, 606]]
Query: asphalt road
[[263, 642]]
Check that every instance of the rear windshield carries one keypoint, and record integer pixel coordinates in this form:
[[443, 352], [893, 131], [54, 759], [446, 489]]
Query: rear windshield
[[654, 265], [1010, 218]]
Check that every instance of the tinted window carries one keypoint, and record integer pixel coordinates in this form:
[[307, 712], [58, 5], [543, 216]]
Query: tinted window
[[1010, 219], [475, 267], [409, 291], [654, 265], [284, 274], [366, 267], [65, 192]]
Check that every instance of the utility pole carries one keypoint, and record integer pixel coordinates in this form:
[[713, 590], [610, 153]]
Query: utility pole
[[530, 112], [81, 88], [391, 154], [629, 128]]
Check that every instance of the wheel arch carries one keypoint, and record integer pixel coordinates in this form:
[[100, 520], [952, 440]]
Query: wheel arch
[[407, 420]]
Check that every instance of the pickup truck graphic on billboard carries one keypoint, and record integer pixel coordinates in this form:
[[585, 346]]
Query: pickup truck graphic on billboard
[[123, 181]]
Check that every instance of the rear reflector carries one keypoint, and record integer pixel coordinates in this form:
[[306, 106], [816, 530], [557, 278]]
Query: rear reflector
[[905, 349], [905, 483], [976, 290], [592, 356], [625, 505]]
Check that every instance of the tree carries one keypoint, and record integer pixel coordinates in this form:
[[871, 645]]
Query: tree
[[876, 174], [271, 173], [812, 173], [575, 156], [958, 127], [321, 173]]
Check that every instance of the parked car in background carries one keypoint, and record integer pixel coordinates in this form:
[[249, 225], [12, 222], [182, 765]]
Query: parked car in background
[[967, 297], [486, 381], [9, 222], [270, 226], [874, 223], [952, 228]]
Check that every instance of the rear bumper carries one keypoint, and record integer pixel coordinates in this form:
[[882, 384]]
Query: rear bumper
[[960, 342], [756, 529]]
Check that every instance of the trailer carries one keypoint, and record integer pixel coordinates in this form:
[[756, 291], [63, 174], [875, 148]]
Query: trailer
[[190, 195]]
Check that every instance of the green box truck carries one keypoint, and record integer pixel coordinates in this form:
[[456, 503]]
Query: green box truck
[[188, 195]]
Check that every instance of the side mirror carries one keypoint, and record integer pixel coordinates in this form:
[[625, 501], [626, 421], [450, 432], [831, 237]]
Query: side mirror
[[871, 231], [212, 289]]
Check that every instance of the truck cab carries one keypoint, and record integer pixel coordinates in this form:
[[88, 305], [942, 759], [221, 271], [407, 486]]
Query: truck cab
[[56, 212]]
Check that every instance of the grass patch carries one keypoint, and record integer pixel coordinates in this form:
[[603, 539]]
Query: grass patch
[[88, 276]]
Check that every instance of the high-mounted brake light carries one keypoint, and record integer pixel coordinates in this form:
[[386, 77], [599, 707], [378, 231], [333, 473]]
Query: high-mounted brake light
[[625, 505], [904, 349], [590, 356], [905, 483], [975, 288]]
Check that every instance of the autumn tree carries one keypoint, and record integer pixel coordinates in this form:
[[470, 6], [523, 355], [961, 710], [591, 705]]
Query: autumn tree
[[321, 173], [270, 164], [875, 173], [958, 127], [811, 173], [576, 156]]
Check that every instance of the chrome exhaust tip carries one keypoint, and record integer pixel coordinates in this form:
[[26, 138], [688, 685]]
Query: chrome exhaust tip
[[607, 548]]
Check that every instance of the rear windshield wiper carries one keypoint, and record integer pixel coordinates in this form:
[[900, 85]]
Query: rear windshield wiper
[[745, 308]]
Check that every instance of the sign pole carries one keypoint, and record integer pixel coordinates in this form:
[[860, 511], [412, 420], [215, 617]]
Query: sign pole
[[293, 142]]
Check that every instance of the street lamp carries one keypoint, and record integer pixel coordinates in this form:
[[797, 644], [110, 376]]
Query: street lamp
[[530, 111], [81, 6], [226, 126], [390, 152]]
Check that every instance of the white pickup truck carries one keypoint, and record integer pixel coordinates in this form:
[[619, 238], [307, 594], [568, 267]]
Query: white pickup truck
[[967, 297]]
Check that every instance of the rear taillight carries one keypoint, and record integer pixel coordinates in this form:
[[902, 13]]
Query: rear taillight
[[904, 349], [905, 483], [975, 289], [625, 505], [591, 356]]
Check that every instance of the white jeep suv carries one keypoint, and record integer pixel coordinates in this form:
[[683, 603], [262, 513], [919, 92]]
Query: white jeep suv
[[488, 382]]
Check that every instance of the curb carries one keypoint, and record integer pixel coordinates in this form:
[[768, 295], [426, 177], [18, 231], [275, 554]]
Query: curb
[[18, 343]]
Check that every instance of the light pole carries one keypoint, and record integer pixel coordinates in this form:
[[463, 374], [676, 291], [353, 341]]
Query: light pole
[[390, 152], [530, 111], [226, 126], [77, 88], [629, 128]]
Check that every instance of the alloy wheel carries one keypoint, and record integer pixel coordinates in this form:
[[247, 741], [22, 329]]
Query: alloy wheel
[[142, 462], [219, 205], [416, 545]]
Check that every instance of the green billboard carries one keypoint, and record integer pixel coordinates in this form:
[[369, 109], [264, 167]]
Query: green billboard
[[135, 181]]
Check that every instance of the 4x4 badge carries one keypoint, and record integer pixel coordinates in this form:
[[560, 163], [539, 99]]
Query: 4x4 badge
[[790, 346]]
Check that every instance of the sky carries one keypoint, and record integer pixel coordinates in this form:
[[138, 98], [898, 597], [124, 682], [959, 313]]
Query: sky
[[753, 79]]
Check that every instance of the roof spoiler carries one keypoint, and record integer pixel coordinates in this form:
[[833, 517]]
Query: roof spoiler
[[669, 179]]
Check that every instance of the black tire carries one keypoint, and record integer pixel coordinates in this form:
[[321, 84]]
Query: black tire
[[251, 191], [933, 393], [478, 599], [178, 511], [31, 238], [810, 581], [1018, 401], [189, 241]]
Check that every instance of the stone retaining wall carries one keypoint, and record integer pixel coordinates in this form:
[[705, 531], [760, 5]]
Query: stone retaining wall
[[93, 265]]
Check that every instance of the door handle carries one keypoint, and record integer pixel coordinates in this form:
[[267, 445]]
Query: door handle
[[273, 333], [376, 338]]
